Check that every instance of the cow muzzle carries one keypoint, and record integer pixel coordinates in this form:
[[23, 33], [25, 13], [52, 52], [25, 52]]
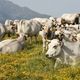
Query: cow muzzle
[[48, 56]]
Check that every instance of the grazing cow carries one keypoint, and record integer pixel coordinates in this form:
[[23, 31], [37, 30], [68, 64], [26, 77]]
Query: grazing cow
[[48, 35], [66, 52], [48, 32], [30, 28], [9, 25], [12, 45]]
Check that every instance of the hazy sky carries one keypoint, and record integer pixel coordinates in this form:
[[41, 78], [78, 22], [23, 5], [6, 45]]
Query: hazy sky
[[51, 7]]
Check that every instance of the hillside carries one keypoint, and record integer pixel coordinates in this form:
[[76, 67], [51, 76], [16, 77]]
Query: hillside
[[9, 10]]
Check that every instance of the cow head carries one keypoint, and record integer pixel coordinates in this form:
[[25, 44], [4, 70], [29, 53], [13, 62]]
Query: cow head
[[54, 48], [21, 38]]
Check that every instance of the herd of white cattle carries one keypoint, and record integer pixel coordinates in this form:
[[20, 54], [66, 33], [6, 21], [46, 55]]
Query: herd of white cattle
[[60, 36]]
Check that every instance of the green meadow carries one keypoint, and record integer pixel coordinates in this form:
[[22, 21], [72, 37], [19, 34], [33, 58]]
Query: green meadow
[[31, 64]]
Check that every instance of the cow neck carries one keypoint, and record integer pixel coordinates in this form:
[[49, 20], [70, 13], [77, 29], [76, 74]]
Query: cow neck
[[69, 47]]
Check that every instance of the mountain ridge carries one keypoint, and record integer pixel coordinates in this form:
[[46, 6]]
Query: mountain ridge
[[9, 10]]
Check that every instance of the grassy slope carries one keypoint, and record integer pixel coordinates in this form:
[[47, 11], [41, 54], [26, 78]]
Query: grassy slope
[[31, 64]]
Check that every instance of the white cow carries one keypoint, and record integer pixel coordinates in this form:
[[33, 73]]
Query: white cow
[[65, 52], [71, 18], [9, 25], [29, 27], [2, 31], [12, 45], [48, 35], [48, 32], [8, 22]]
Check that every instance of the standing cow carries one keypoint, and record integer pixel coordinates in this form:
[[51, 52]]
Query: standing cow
[[29, 27]]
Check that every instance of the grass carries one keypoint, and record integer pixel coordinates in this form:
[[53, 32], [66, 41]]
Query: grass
[[31, 64]]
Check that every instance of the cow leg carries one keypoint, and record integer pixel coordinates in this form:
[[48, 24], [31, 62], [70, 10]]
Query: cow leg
[[73, 61], [30, 39], [58, 61], [44, 45], [35, 38], [66, 59], [9, 34]]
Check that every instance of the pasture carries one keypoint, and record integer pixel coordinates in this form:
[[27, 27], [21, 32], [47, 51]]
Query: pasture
[[31, 64]]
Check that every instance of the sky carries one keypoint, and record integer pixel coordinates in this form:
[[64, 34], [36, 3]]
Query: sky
[[54, 8]]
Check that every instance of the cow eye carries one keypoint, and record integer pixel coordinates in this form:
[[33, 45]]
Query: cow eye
[[55, 47]]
